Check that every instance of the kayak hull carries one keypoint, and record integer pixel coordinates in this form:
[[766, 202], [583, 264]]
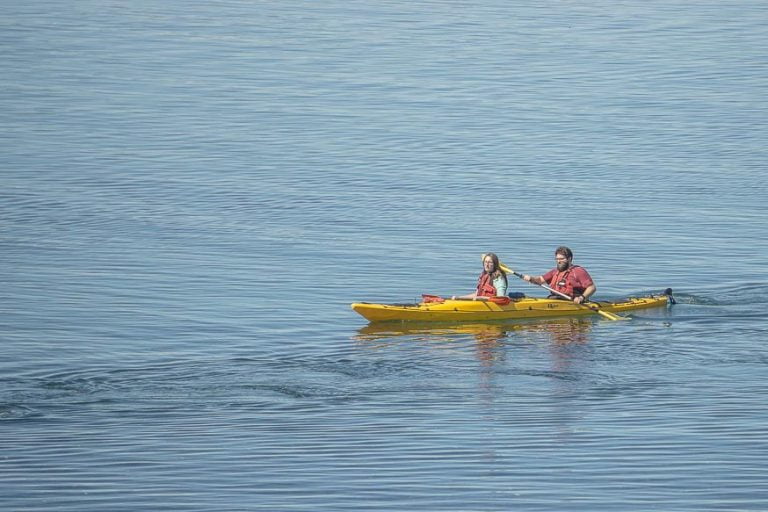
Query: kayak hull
[[483, 311]]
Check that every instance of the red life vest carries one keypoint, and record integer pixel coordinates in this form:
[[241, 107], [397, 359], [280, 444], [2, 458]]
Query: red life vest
[[572, 281], [485, 286]]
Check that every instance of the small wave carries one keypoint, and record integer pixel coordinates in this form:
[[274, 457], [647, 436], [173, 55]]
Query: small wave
[[76, 384], [724, 295], [9, 412], [750, 293], [301, 391]]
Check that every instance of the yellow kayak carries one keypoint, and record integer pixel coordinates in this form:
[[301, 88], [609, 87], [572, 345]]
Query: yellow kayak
[[501, 308]]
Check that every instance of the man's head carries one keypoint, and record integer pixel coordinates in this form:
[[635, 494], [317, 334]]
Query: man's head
[[563, 257]]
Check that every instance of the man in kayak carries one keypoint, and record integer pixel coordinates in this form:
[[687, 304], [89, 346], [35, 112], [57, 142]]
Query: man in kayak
[[492, 282], [567, 278]]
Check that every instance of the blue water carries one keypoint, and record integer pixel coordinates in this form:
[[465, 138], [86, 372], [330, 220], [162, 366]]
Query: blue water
[[192, 194]]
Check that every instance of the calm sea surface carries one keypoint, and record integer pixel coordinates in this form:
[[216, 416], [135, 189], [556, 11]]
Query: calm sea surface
[[192, 194]]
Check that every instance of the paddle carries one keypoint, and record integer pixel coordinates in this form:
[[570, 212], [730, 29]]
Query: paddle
[[593, 307]]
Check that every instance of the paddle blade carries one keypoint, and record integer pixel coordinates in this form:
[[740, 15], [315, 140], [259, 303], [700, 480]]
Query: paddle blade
[[609, 315], [508, 270]]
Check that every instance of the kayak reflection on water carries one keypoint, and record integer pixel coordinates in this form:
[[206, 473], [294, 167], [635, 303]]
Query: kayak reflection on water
[[556, 330], [496, 350]]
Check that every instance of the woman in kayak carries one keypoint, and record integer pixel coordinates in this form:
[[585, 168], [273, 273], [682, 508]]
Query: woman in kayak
[[567, 278], [492, 282]]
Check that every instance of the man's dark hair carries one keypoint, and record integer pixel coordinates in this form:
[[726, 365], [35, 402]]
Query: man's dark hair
[[564, 251]]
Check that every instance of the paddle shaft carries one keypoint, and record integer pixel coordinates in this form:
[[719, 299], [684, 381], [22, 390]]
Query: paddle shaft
[[596, 309], [551, 290]]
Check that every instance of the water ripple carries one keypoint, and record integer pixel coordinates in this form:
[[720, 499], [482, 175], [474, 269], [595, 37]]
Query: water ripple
[[193, 193]]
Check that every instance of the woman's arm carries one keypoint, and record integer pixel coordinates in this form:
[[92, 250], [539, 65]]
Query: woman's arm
[[501, 286]]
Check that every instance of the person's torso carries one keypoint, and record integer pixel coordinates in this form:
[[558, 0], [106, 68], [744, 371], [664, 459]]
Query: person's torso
[[568, 281], [485, 286]]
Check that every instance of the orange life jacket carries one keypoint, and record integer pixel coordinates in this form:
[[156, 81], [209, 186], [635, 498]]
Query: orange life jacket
[[485, 286], [570, 281]]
